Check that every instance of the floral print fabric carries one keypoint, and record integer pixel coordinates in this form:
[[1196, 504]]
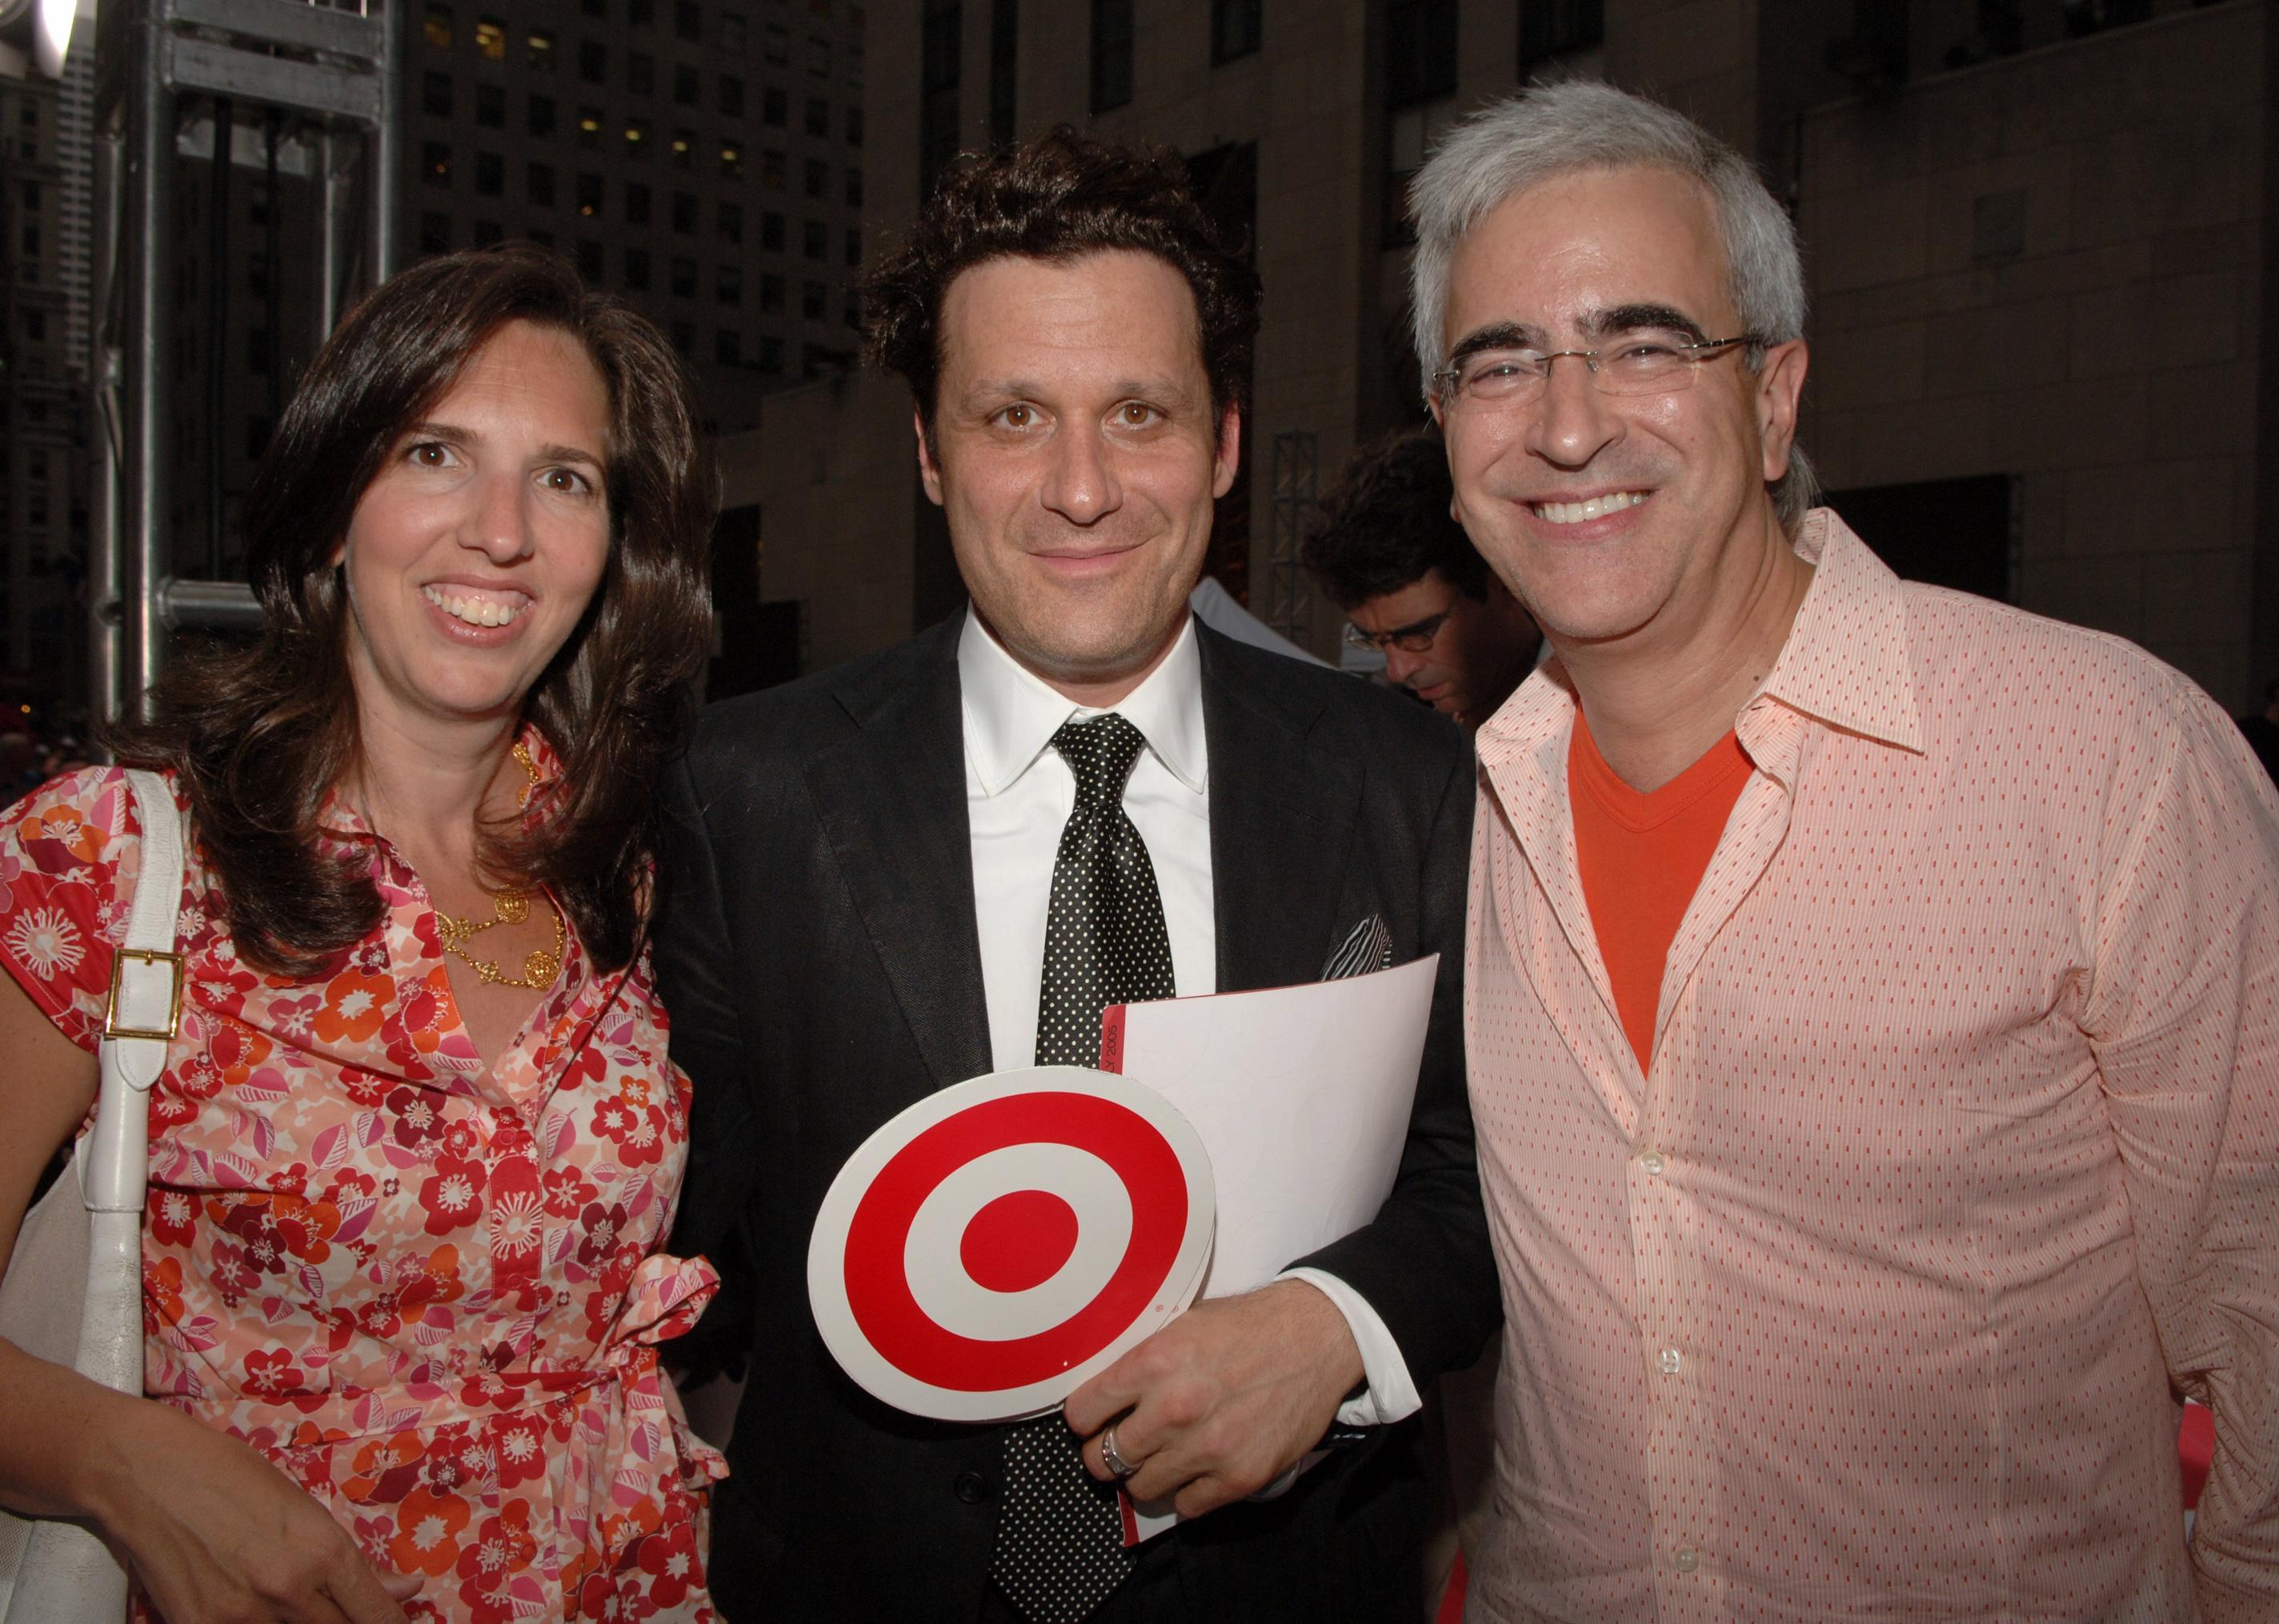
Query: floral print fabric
[[428, 1291]]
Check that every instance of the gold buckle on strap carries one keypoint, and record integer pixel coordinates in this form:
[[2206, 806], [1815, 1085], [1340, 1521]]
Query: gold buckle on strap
[[110, 1023]]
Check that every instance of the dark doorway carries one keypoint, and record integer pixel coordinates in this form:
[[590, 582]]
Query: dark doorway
[[756, 645], [1945, 533], [1226, 178]]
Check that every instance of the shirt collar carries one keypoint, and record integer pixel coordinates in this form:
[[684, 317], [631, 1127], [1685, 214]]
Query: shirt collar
[[1011, 714], [1846, 662], [341, 819]]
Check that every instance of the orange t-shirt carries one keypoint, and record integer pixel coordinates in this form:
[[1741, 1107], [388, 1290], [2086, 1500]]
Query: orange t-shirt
[[1641, 858]]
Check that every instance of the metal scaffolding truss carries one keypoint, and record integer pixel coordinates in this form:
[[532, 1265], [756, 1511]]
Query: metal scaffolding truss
[[171, 78], [1297, 470]]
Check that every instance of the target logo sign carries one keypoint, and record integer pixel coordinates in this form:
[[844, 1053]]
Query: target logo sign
[[994, 1246]]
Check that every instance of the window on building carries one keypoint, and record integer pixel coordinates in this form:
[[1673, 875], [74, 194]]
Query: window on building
[[640, 137], [771, 232], [1111, 55], [731, 159], [728, 347], [775, 45], [772, 169], [771, 293], [818, 56], [812, 296], [593, 62], [854, 189], [589, 259], [684, 212], [434, 233], [641, 72], [731, 224], [854, 246], [1234, 28], [853, 127], [814, 239], [539, 120], [435, 95], [683, 148], [854, 309], [688, 19], [939, 60], [684, 278], [637, 204], [818, 116], [775, 107], [538, 184], [731, 91], [1004, 60], [642, 13], [728, 284], [818, 178], [684, 335], [683, 84], [770, 355], [488, 232], [538, 50], [1420, 48], [437, 26], [490, 39], [637, 269], [589, 126], [435, 163], [1555, 27], [733, 29], [490, 174], [598, 10], [490, 106], [589, 195]]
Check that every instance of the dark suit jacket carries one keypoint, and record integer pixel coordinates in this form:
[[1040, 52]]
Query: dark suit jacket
[[819, 957]]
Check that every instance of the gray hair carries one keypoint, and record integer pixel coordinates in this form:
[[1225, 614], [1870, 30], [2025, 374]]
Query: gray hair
[[1552, 130]]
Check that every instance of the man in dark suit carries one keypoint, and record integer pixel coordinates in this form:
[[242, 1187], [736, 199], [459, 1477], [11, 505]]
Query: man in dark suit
[[864, 868]]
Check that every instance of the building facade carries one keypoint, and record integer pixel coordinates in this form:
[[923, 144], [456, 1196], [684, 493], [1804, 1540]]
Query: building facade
[[2036, 234]]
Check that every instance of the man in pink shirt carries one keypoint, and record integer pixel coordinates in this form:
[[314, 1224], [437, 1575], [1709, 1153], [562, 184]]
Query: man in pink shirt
[[1869, 1176]]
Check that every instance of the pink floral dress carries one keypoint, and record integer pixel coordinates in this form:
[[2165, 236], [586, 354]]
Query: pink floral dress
[[429, 1292]]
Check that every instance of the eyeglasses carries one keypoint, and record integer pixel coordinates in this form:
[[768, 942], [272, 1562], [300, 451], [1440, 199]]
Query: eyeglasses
[[1634, 366], [1413, 639]]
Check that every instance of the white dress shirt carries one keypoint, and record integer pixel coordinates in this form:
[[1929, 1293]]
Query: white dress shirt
[[1018, 794]]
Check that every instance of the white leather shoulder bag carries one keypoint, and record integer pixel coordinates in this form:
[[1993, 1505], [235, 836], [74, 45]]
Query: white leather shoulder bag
[[73, 1290]]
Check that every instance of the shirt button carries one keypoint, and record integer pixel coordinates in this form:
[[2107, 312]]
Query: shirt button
[[1688, 1560], [972, 1487], [1671, 1363], [1652, 1162]]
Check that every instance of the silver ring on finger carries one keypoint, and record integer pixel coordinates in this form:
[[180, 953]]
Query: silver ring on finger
[[1112, 1458]]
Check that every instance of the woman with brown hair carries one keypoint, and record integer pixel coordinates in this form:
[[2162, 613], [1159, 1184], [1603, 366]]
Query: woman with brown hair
[[418, 1143]]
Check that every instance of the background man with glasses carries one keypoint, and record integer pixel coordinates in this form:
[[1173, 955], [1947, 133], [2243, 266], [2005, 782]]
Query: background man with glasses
[[1872, 1003], [1390, 553]]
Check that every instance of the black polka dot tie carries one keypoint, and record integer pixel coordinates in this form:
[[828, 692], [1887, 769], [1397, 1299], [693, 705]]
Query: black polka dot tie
[[1060, 1537]]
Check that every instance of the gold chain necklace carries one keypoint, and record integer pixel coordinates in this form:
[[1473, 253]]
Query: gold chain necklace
[[509, 906]]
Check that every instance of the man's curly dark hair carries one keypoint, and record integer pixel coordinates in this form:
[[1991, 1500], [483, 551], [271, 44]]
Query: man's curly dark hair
[[1390, 522], [1057, 197]]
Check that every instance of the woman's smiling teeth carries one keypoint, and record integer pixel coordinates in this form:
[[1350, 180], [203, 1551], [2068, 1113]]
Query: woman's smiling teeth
[[1577, 512], [476, 608]]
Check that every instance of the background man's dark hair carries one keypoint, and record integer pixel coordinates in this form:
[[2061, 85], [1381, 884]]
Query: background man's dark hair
[[1059, 196], [1389, 522]]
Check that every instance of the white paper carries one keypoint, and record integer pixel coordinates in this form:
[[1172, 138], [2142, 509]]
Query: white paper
[[1301, 1096]]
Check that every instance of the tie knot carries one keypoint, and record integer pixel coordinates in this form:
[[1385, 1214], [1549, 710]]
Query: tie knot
[[1100, 753]]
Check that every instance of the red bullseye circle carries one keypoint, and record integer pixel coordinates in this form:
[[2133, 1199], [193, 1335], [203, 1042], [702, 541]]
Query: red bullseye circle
[[1018, 1240], [879, 1296]]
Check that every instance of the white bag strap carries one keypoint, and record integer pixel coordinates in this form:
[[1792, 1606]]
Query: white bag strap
[[146, 1008]]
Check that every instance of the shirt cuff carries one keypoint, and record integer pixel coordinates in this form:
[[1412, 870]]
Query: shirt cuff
[[1390, 1396]]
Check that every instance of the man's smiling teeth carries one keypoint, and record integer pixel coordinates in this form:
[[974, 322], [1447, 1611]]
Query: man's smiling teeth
[[475, 611], [1577, 512]]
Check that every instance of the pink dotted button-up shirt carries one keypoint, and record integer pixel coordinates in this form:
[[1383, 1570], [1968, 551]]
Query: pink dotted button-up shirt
[[1957, 1159]]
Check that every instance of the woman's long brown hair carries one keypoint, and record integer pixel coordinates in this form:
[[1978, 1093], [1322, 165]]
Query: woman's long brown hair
[[258, 735]]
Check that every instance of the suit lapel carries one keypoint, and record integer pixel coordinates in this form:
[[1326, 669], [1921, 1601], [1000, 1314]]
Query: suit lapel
[[1282, 822], [891, 800]]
